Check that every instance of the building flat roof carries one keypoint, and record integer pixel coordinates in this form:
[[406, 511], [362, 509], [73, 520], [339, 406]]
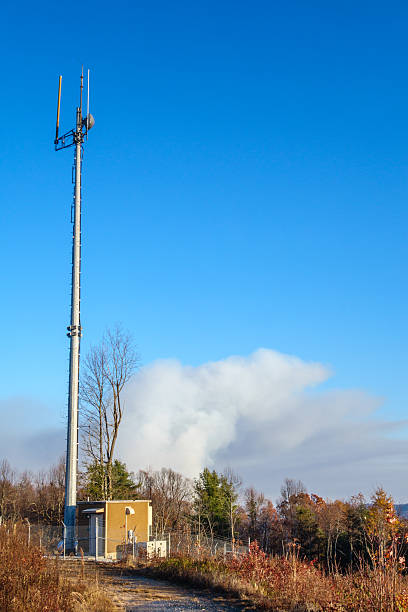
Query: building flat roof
[[113, 501]]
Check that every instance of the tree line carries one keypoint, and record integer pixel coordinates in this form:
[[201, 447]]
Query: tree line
[[335, 533]]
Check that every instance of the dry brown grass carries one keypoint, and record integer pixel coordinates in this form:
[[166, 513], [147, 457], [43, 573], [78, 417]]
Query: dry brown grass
[[290, 584], [30, 581]]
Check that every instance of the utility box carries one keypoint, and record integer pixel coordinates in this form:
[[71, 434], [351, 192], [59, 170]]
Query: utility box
[[104, 526], [155, 548]]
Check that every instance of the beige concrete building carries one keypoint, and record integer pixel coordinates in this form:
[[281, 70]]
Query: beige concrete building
[[105, 526]]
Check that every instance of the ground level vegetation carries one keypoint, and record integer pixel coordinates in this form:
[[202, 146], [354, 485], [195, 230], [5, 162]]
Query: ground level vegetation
[[304, 551]]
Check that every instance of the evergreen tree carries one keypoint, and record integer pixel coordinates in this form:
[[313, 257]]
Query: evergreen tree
[[215, 506], [123, 481]]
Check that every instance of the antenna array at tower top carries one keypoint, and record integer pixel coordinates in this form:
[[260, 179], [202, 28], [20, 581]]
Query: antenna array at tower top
[[83, 124]]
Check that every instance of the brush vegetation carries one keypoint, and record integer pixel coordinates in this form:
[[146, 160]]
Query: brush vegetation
[[289, 583], [31, 581]]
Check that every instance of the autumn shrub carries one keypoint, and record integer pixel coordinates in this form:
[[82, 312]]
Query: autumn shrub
[[30, 581], [289, 583], [286, 582]]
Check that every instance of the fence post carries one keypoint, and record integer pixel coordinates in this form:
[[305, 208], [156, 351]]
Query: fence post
[[168, 549], [64, 535]]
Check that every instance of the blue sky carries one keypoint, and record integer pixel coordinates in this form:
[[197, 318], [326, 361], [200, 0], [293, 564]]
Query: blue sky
[[245, 186]]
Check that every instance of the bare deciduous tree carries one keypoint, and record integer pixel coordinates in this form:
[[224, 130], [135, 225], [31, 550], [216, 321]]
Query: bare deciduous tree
[[107, 369], [291, 488], [48, 493], [95, 400], [7, 496], [170, 493], [253, 505], [232, 483]]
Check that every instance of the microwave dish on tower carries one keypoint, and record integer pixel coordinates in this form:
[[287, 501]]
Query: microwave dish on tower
[[74, 138]]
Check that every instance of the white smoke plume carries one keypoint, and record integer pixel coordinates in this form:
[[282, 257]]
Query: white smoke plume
[[260, 416], [182, 416]]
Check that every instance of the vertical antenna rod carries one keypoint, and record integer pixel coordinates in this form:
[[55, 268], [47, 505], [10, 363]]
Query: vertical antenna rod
[[58, 110], [74, 138], [87, 108]]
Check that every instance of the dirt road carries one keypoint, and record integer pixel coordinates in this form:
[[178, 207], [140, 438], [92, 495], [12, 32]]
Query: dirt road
[[140, 594], [137, 593]]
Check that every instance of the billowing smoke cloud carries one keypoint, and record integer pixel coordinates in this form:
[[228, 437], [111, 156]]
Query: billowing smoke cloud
[[261, 416]]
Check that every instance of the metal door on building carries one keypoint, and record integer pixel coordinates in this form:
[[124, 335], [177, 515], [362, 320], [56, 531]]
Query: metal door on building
[[96, 539]]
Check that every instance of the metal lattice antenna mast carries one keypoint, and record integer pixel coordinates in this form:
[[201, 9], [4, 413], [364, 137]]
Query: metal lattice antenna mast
[[74, 138]]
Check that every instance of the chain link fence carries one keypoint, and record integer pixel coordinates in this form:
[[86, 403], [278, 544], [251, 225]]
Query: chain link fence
[[51, 539], [197, 544]]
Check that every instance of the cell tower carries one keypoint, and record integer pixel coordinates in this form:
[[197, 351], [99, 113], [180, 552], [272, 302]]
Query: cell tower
[[74, 138]]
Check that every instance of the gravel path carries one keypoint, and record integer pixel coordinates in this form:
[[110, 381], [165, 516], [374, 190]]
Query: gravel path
[[137, 593], [140, 594]]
